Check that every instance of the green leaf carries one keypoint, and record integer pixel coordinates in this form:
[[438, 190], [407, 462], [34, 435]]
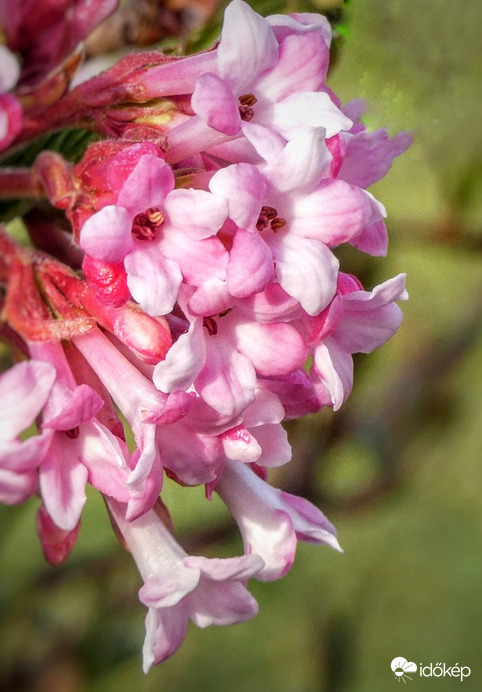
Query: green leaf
[[71, 143]]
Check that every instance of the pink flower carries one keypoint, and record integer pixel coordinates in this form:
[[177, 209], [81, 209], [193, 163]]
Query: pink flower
[[24, 389], [143, 406], [159, 233], [178, 587], [362, 158], [293, 215], [194, 449], [260, 81], [221, 356], [270, 520], [81, 449], [357, 321]]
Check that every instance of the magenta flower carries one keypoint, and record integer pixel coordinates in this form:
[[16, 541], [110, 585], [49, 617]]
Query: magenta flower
[[270, 520], [24, 389], [178, 587]]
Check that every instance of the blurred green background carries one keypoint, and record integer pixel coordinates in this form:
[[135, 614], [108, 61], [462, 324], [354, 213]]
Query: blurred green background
[[398, 469]]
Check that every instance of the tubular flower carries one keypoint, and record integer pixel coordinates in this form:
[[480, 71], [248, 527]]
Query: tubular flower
[[182, 290]]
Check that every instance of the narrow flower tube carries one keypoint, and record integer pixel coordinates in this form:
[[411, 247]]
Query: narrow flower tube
[[178, 587]]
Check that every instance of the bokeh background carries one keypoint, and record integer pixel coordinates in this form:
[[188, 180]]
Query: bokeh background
[[398, 469]]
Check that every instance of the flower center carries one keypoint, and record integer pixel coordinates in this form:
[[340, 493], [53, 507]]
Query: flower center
[[210, 323], [73, 433], [268, 216], [247, 102], [146, 224]]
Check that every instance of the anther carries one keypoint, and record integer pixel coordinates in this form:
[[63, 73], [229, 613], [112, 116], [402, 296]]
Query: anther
[[248, 100], [277, 223], [145, 225], [73, 432], [155, 217], [210, 325], [265, 216]]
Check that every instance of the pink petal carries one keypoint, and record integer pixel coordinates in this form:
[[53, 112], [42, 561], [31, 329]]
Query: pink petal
[[373, 240], [186, 252], [264, 140], [79, 405], [370, 319], [266, 408], [214, 102], [24, 389], [301, 164], [106, 235], [309, 522], [273, 349], [250, 267], [237, 568], [211, 298], [227, 381], [296, 393], [302, 65], [300, 23], [271, 305], [153, 279], [273, 440], [104, 460], [147, 186], [9, 69], [194, 458], [166, 629], [335, 212], [243, 186], [334, 367], [166, 590], [62, 482], [198, 213], [369, 156], [240, 445], [220, 603], [267, 531], [247, 48], [148, 456], [56, 543], [11, 119], [308, 109], [183, 361], [17, 487], [307, 270], [24, 456]]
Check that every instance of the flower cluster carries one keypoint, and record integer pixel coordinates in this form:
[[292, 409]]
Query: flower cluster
[[196, 291]]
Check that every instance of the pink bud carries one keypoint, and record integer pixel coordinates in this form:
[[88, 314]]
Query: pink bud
[[57, 544]]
